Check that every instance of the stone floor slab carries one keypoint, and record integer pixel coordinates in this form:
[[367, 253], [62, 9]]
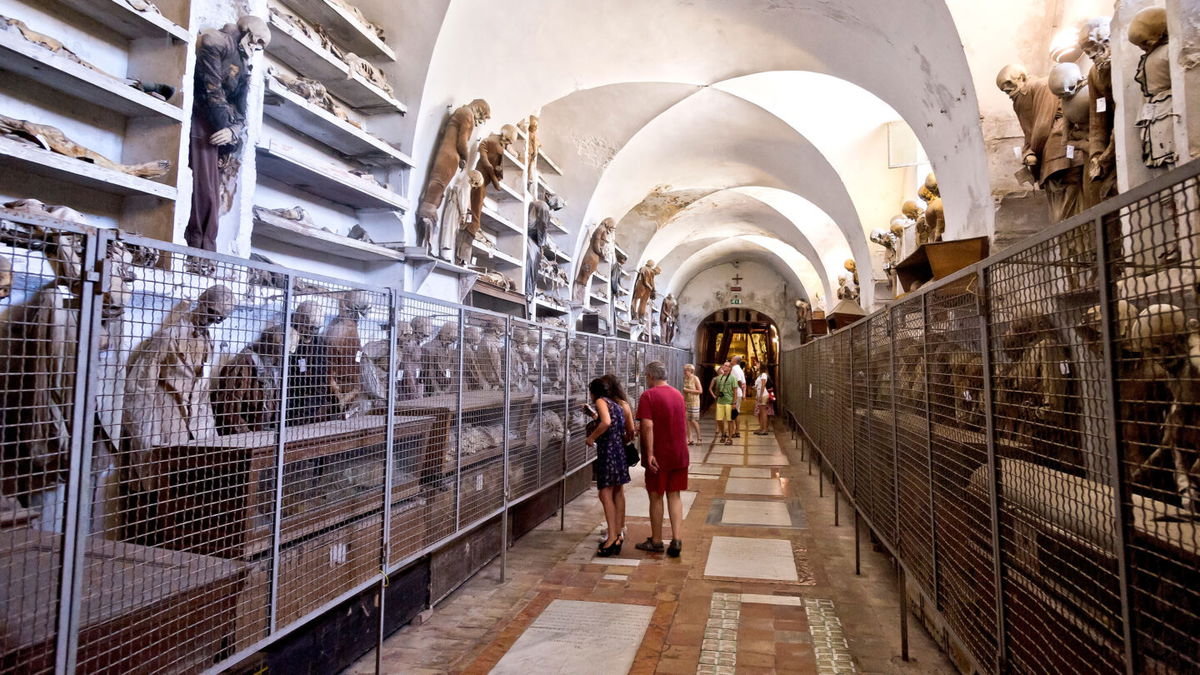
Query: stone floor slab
[[764, 460], [706, 470], [751, 558], [742, 472], [769, 514], [754, 486], [576, 636]]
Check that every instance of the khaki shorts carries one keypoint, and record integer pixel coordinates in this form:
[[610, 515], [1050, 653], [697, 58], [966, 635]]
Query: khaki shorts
[[693, 413], [724, 412]]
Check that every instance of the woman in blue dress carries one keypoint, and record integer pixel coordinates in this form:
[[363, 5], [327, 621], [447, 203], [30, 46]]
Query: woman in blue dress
[[610, 469]]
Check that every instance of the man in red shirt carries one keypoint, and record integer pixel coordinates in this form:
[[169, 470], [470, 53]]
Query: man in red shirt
[[664, 454]]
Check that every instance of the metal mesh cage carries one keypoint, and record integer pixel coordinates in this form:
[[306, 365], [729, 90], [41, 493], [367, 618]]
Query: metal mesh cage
[[915, 531], [553, 415]]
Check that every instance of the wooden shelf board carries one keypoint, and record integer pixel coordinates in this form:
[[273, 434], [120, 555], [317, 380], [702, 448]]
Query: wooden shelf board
[[512, 159], [62, 74], [127, 21], [313, 61], [494, 221], [343, 27], [290, 109], [328, 182], [291, 232], [547, 164], [498, 293], [549, 307], [506, 261], [599, 299], [561, 257], [556, 224], [21, 157], [601, 279]]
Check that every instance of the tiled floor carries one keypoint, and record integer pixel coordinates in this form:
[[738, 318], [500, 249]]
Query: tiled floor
[[765, 584]]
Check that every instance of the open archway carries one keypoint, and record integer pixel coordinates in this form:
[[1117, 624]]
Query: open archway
[[726, 333]]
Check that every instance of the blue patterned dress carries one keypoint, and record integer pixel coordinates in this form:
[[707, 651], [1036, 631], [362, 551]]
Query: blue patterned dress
[[610, 468]]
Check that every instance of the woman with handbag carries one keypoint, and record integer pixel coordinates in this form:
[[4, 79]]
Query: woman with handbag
[[764, 403], [611, 468]]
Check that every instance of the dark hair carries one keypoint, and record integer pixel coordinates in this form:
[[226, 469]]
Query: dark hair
[[615, 390], [598, 388]]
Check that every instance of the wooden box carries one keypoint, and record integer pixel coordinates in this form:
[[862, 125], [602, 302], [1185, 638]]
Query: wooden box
[[143, 609], [407, 528], [465, 556], [938, 260], [315, 571], [478, 407], [481, 489], [216, 496], [439, 514]]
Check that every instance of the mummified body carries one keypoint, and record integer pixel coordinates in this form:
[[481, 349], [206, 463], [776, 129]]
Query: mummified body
[[245, 393], [345, 354], [450, 158], [53, 139]]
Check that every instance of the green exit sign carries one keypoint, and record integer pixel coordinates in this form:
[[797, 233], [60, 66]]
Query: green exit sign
[[735, 300]]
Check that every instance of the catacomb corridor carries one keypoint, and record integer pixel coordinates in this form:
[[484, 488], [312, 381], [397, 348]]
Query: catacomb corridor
[[532, 336]]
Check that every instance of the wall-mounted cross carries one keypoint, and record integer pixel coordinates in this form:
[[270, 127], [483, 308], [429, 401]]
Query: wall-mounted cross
[[737, 279]]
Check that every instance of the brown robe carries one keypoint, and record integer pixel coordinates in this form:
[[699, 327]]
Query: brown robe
[[1035, 109], [1101, 140], [245, 392], [345, 363]]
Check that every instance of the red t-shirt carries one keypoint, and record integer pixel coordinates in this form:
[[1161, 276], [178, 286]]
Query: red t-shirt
[[663, 405]]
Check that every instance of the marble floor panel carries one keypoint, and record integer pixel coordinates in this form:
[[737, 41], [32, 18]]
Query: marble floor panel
[[726, 459], [754, 486], [706, 470], [771, 460], [743, 472], [751, 558], [573, 636], [738, 512]]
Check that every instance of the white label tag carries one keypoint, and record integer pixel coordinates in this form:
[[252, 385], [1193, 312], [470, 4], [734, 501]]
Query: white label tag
[[1064, 368], [810, 389], [1070, 152], [479, 483], [207, 371], [338, 554], [358, 356], [1017, 151], [967, 395], [1101, 104]]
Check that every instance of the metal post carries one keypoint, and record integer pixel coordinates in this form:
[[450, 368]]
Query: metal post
[[280, 446], [929, 447], [985, 341], [857, 546], [389, 475], [507, 449], [568, 353], [462, 317], [891, 336], [1121, 497], [903, 581], [76, 515], [836, 501], [820, 477]]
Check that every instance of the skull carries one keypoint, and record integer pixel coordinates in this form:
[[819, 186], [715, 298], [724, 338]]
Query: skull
[[472, 335], [912, 209], [883, 238], [448, 332], [421, 327], [1148, 29], [1159, 331], [1093, 39], [475, 178], [1065, 79], [481, 109], [897, 224], [5, 277], [213, 306], [931, 185], [850, 265], [1012, 79], [355, 303], [508, 134], [305, 319], [255, 34]]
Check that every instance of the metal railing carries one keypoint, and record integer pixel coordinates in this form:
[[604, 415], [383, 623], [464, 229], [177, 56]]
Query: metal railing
[[201, 453], [1024, 438]]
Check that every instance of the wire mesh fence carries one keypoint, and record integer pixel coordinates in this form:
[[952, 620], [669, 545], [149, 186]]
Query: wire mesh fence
[[200, 452], [1024, 437]]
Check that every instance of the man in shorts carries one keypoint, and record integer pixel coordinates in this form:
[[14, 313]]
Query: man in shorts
[[665, 456], [739, 375], [724, 388]]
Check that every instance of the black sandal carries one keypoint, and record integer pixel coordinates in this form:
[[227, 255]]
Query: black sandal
[[650, 546], [675, 548]]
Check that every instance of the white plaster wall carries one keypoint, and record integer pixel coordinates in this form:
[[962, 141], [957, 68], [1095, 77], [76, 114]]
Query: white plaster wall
[[765, 291]]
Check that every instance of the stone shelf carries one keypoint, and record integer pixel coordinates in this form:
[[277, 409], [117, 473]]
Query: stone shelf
[[127, 21], [343, 27], [502, 259], [291, 232], [561, 257], [492, 220], [325, 181], [549, 307], [62, 74], [20, 157], [598, 299], [544, 162], [507, 193], [311, 60], [601, 279], [498, 293], [289, 109], [511, 158], [554, 222]]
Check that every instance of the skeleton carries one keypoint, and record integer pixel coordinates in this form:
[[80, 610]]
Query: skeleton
[[294, 213], [1102, 155], [456, 217], [143, 6], [437, 356], [552, 355], [538, 245], [482, 362], [914, 212], [935, 217], [668, 316], [245, 391], [497, 279], [314, 92], [1164, 335], [1157, 119], [368, 71], [490, 164], [601, 247], [643, 291], [54, 140], [803, 319], [310, 400], [315, 33], [450, 157], [551, 424], [890, 243], [167, 399], [532, 147], [345, 354], [33, 207], [1066, 82], [358, 16]]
